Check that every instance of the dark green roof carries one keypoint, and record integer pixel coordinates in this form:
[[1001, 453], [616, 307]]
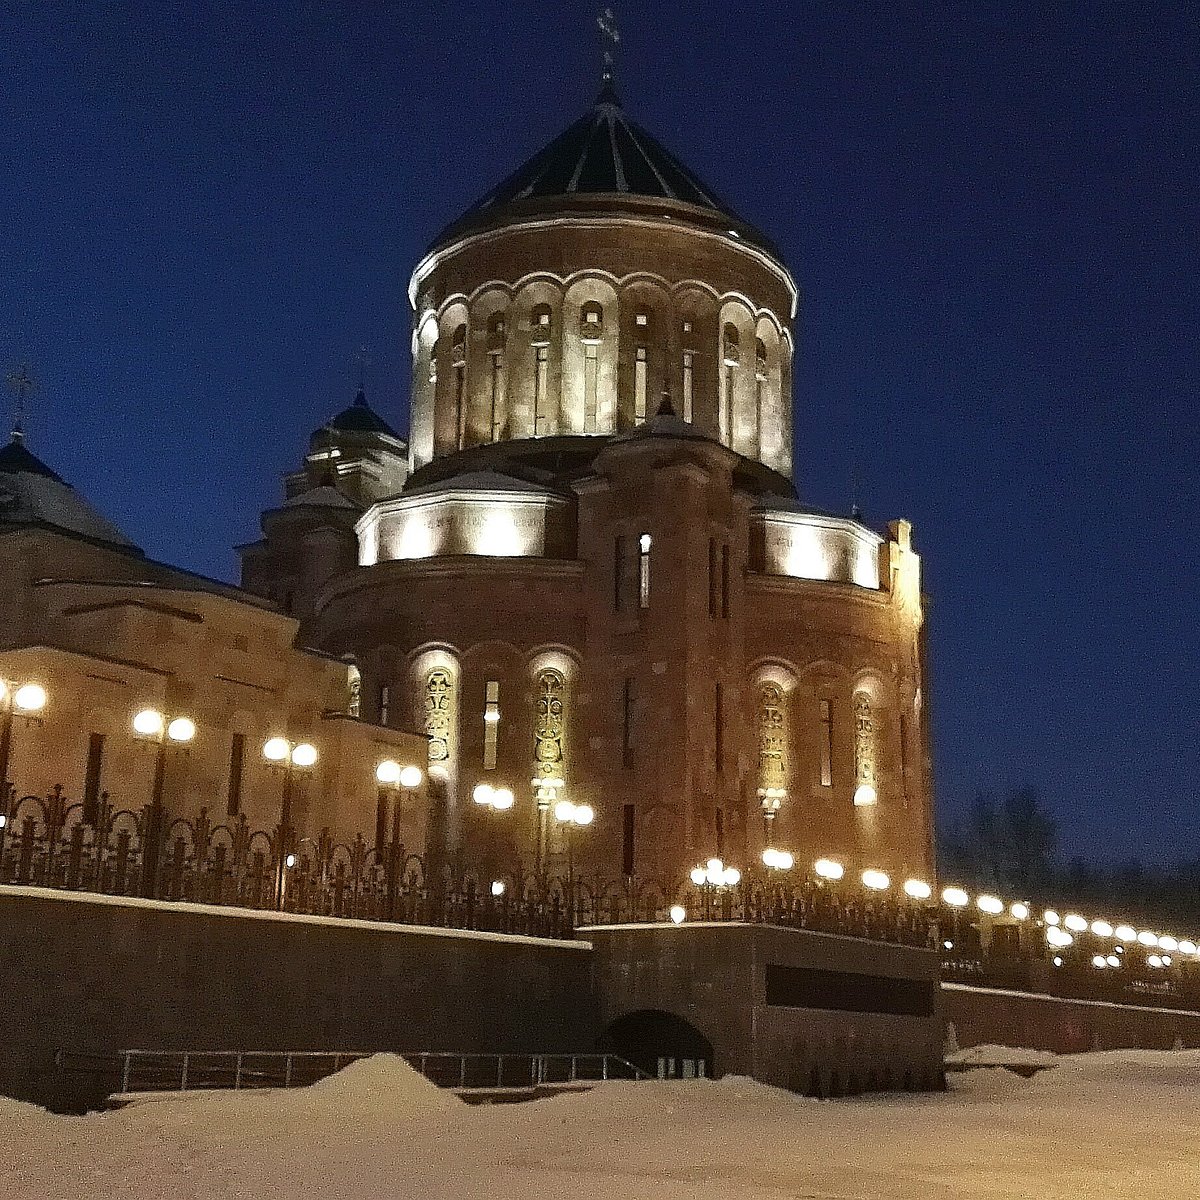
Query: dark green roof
[[360, 417], [604, 153]]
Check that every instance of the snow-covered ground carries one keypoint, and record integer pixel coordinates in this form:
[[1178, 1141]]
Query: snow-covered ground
[[1118, 1124]]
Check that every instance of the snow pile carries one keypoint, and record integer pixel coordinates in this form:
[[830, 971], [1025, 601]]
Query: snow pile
[[1118, 1124], [1001, 1056]]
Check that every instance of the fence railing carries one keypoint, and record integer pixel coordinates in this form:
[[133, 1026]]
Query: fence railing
[[51, 841], [190, 1070]]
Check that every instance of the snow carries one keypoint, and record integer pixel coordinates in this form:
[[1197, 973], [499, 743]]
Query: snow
[[1116, 1124], [1001, 1056]]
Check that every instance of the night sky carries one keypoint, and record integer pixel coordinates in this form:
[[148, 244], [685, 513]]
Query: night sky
[[206, 209]]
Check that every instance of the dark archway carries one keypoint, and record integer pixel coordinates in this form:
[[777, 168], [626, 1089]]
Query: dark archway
[[660, 1043]]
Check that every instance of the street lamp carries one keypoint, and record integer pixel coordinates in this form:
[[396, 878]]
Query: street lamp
[[150, 725], [391, 776], [26, 699], [287, 757], [778, 860], [571, 816]]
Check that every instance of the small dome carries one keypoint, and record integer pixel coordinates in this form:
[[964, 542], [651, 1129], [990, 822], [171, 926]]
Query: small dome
[[32, 494], [604, 153], [360, 417]]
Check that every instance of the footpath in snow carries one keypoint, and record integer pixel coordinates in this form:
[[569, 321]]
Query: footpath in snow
[[1117, 1124]]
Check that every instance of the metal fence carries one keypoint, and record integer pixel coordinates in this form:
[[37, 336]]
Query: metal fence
[[190, 1070]]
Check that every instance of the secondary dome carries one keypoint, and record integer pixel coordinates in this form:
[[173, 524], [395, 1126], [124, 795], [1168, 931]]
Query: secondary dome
[[32, 494], [603, 154]]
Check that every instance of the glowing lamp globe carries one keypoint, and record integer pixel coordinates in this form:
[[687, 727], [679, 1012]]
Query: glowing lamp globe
[[955, 897], [828, 868], [918, 889], [410, 777], [585, 814], [502, 799], [1102, 929], [877, 881], [678, 913], [388, 772], [564, 810], [1146, 938], [148, 723], [498, 887], [1019, 910], [731, 877], [698, 876], [992, 905], [182, 729], [1075, 923], [276, 749], [305, 755], [865, 795], [30, 698], [483, 793]]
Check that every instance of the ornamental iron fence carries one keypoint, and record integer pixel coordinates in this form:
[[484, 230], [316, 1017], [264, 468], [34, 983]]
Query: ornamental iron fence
[[53, 842]]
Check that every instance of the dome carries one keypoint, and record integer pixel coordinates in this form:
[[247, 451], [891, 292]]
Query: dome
[[602, 154], [360, 417], [32, 494]]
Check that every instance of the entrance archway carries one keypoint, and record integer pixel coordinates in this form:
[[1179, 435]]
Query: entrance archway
[[661, 1044]]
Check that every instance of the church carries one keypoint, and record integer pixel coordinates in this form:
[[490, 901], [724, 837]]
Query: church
[[582, 592]]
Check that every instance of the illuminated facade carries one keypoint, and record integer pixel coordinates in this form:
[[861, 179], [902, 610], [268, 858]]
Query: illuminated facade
[[588, 566]]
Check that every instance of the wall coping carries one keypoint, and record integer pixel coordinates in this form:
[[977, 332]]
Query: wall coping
[[226, 910], [988, 991], [818, 933]]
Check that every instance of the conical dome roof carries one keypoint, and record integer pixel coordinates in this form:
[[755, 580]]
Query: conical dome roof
[[604, 153], [32, 494]]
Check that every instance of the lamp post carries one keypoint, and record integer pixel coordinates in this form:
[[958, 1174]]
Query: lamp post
[[287, 757], [393, 779], [27, 699], [712, 876], [571, 816], [163, 732]]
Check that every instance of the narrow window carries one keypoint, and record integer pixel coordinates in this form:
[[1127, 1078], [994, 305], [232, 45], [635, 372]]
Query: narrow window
[[491, 724], [719, 730], [384, 698], [712, 577], [627, 832], [725, 582], [644, 571], [459, 349], [639, 385], [826, 744], [760, 387], [497, 399], [731, 358], [688, 358], [627, 724], [237, 758], [591, 384], [541, 419], [618, 571], [91, 778]]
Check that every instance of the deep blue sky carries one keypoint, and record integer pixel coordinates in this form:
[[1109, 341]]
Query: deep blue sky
[[206, 208]]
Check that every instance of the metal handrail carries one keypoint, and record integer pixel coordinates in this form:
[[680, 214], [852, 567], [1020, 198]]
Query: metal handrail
[[188, 1070]]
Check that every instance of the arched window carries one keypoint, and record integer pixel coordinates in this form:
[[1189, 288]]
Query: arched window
[[865, 791], [760, 388], [644, 543], [439, 714], [591, 327], [353, 690], [458, 358], [497, 330], [541, 322], [549, 761], [731, 355]]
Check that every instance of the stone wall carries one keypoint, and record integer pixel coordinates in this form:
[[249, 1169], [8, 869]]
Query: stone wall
[[97, 974], [994, 1016]]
